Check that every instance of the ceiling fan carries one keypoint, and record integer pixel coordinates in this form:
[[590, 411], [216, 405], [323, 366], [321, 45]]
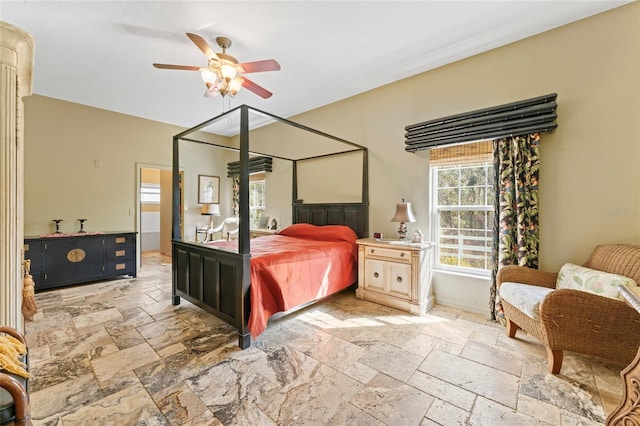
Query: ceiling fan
[[224, 74]]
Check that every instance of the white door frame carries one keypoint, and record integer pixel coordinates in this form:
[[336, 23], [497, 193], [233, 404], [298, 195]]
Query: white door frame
[[138, 227]]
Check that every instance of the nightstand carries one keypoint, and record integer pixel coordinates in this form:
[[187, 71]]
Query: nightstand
[[261, 232], [396, 274]]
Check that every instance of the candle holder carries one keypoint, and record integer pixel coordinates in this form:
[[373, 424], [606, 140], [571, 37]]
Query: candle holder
[[82, 221], [57, 221]]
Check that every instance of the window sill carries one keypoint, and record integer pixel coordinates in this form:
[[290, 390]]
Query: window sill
[[463, 274]]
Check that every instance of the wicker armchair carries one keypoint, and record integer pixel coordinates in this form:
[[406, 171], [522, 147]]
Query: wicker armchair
[[576, 320]]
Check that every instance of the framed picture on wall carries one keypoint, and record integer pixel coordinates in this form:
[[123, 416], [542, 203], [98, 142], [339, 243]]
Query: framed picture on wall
[[208, 189]]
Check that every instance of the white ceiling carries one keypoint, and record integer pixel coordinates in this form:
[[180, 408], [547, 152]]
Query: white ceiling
[[99, 53]]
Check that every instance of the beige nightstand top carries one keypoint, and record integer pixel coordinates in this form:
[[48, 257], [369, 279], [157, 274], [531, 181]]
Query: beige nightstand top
[[260, 232], [395, 243]]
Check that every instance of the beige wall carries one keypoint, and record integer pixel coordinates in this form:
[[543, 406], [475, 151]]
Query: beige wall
[[80, 162], [278, 185], [589, 192]]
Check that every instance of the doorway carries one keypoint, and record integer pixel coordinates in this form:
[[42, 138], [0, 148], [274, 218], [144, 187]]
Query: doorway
[[155, 212]]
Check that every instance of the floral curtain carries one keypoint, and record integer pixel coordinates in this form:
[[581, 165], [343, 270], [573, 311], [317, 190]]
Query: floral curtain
[[235, 195], [515, 225]]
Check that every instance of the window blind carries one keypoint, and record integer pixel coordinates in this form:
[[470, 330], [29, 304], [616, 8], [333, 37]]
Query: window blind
[[533, 115], [463, 154]]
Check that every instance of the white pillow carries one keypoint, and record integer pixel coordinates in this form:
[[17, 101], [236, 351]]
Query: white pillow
[[591, 280]]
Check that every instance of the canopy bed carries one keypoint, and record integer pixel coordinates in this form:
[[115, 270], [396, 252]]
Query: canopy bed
[[245, 281]]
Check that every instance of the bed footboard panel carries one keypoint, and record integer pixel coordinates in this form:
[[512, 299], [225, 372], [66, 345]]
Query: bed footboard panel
[[214, 280]]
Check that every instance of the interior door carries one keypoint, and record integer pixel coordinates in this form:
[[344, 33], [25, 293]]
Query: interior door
[[156, 236]]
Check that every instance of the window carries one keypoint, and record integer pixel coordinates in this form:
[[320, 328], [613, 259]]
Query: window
[[463, 216], [257, 198], [150, 193]]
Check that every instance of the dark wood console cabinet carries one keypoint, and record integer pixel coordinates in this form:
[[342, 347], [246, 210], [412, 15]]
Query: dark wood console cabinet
[[73, 259]]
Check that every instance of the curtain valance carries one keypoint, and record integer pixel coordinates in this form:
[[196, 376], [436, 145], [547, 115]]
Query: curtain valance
[[533, 115], [256, 164]]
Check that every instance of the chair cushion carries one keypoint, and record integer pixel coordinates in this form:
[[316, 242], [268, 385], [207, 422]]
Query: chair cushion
[[526, 298], [591, 280]]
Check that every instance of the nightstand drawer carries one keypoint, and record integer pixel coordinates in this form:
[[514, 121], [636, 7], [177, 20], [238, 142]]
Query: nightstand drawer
[[392, 278], [399, 280], [390, 254], [374, 275]]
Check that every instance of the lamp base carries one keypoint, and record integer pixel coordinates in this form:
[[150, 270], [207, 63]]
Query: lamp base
[[402, 231]]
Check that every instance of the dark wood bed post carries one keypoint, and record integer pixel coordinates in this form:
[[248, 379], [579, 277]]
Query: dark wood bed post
[[294, 188], [365, 177], [242, 299], [175, 212]]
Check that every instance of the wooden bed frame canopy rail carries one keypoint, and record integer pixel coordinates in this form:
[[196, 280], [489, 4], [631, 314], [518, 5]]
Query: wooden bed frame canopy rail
[[217, 280]]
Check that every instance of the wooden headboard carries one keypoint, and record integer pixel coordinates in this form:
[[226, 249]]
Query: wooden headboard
[[353, 215]]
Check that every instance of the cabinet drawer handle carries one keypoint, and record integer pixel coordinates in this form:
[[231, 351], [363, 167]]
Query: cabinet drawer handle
[[120, 240], [372, 250], [402, 254], [376, 275], [399, 279], [76, 255], [120, 266], [120, 253]]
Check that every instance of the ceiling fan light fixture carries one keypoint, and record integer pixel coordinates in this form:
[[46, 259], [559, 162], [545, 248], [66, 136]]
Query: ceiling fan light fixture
[[228, 72], [235, 85], [210, 93], [209, 77], [222, 74]]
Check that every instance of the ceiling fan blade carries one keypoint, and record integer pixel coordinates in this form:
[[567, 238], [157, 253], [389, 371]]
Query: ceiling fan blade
[[255, 88], [178, 67], [261, 66], [203, 46]]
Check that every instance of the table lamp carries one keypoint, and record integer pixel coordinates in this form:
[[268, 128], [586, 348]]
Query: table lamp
[[210, 210], [404, 213]]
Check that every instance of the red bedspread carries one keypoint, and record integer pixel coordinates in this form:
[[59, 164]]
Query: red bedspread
[[301, 264]]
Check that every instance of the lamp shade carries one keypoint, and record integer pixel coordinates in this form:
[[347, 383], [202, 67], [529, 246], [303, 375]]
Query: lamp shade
[[228, 72], [210, 209], [404, 213], [209, 77]]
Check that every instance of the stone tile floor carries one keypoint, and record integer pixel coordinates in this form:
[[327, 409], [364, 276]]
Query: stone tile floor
[[118, 353]]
